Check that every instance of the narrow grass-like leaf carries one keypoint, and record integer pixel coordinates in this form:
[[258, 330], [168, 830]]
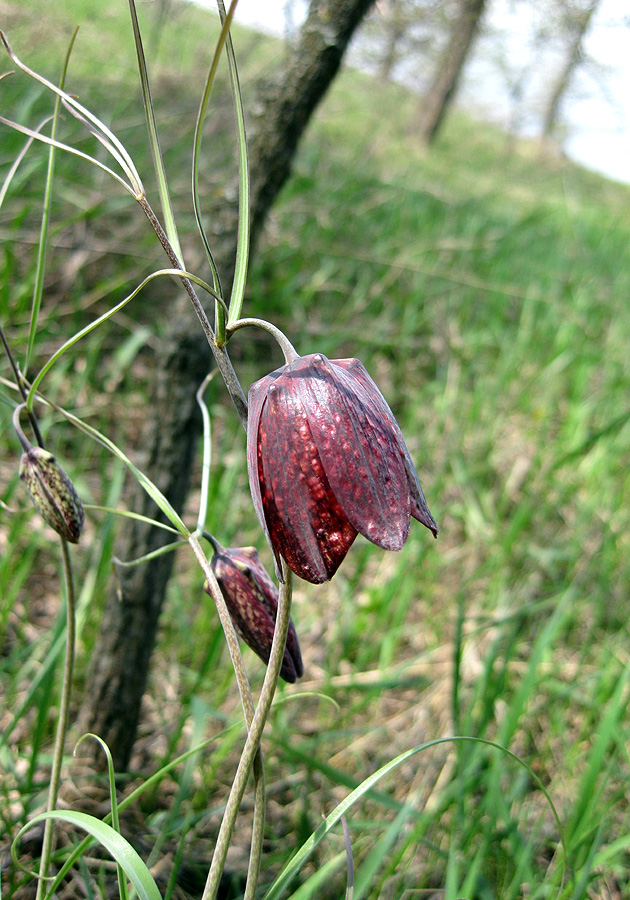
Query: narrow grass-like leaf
[[152, 490], [41, 662], [15, 165], [38, 287], [314, 886], [96, 126], [195, 156], [379, 853], [129, 514], [147, 557], [149, 782], [242, 243], [586, 445], [178, 273], [299, 858], [122, 883], [337, 776], [525, 691], [115, 844], [607, 730], [61, 146], [154, 142]]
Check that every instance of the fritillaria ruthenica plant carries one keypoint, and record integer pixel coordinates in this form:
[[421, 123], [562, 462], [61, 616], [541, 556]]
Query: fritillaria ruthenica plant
[[252, 601], [327, 461]]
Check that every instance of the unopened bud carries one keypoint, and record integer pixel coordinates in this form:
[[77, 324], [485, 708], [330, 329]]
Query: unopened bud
[[252, 600], [52, 493]]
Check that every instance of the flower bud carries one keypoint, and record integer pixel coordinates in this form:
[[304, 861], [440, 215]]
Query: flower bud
[[52, 493], [252, 600]]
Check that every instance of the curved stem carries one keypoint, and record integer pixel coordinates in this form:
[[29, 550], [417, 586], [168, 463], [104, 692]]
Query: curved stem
[[253, 738], [25, 444], [62, 721], [19, 383], [248, 710], [289, 351]]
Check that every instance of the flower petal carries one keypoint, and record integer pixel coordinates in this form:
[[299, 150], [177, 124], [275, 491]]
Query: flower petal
[[307, 525], [251, 598], [419, 509], [359, 451], [257, 396], [268, 594]]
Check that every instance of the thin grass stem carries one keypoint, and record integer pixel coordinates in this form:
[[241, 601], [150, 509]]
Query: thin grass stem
[[154, 142], [62, 720], [248, 709], [253, 738], [38, 288], [242, 240]]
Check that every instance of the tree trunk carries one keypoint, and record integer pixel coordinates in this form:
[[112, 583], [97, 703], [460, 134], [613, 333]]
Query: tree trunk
[[118, 676], [449, 68], [120, 661], [579, 28]]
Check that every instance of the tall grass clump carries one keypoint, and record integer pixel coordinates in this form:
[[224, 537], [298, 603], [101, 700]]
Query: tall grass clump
[[462, 726]]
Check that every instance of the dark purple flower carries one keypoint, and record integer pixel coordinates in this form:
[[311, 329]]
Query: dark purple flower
[[327, 460], [252, 600]]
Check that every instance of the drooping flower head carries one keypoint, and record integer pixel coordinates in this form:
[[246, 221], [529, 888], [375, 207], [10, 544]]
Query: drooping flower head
[[51, 490], [326, 461], [252, 600], [52, 493]]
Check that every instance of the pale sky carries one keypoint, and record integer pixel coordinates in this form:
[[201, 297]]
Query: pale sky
[[598, 121]]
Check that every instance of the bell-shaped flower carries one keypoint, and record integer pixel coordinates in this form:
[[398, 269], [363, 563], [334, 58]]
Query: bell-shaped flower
[[252, 600], [327, 460]]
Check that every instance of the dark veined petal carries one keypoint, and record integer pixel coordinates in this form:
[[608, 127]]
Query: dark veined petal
[[359, 452], [419, 509], [269, 599], [326, 460], [304, 519], [257, 396], [252, 601]]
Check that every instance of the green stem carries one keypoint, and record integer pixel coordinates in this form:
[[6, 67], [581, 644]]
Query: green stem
[[289, 351], [253, 738], [19, 384], [222, 359], [248, 710], [62, 721]]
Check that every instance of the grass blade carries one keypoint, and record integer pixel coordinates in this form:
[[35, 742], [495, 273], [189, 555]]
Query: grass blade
[[299, 858], [154, 143], [196, 152], [242, 242], [38, 288], [121, 850]]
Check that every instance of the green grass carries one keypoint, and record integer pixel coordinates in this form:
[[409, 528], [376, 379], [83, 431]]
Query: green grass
[[487, 295]]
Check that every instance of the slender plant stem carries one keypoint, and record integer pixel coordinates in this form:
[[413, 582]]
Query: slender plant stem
[[248, 710], [222, 359], [62, 720], [289, 351], [68, 665], [253, 738], [19, 383]]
